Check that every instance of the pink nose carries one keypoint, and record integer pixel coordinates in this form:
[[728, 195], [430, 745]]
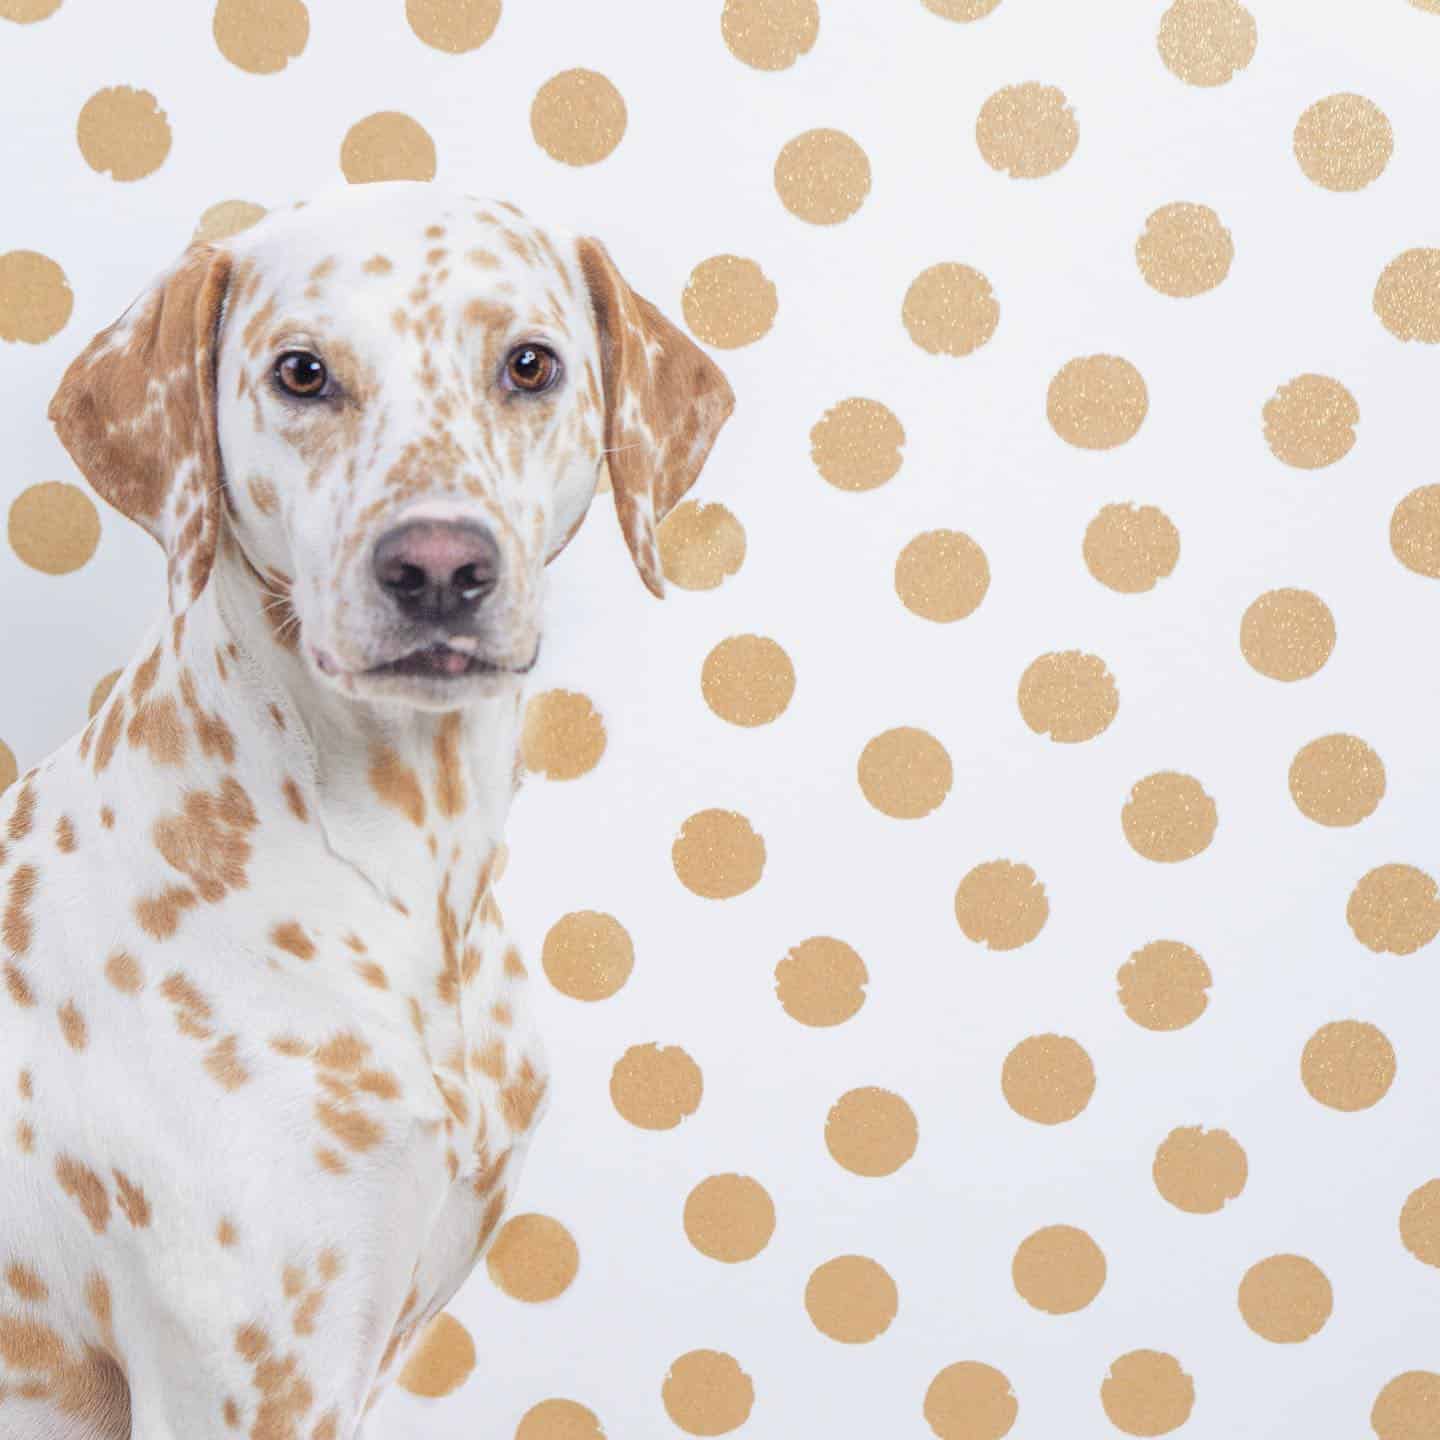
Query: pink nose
[[437, 570]]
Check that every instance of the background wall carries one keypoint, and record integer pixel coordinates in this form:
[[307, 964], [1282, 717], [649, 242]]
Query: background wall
[[986, 914]]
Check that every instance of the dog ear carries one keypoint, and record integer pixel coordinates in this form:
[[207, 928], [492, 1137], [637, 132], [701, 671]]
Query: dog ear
[[136, 411], [665, 401]]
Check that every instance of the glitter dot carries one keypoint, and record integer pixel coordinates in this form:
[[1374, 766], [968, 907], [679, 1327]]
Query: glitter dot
[[1169, 817], [1420, 1223], [533, 1258], [1001, 905], [655, 1087], [563, 736], [707, 1393], [54, 527], [769, 34], [35, 297], [748, 680], [970, 1401], [1287, 634], [1147, 1393], [1097, 402], [1130, 548], [871, 1132], [228, 218], [387, 146], [1408, 1408], [261, 36], [1198, 1170], [123, 133], [821, 982], [1343, 142], [942, 576], [1348, 1065], [950, 310], [905, 773], [1184, 251], [1337, 780], [851, 1299], [729, 1218], [1407, 296], [1285, 1299], [1058, 1270], [718, 855], [588, 955], [856, 444], [454, 26], [578, 117], [1310, 422], [1393, 910], [1205, 42], [728, 302], [701, 546], [1048, 1079], [559, 1420], [1027, 131], [1070, 697], [822, 177], [961, 10], [1164, 985], [441, 1361], [1415, 531]]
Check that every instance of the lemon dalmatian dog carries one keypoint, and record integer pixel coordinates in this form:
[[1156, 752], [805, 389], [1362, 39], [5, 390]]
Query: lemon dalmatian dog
[[266, 1074]]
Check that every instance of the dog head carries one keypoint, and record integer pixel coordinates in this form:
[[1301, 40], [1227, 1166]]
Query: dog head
[[398, 401]]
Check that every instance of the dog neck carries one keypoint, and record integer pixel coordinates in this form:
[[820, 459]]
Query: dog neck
[[414, 801]]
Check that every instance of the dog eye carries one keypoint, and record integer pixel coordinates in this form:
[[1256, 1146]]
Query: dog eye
[[532, 368], [301, 374]]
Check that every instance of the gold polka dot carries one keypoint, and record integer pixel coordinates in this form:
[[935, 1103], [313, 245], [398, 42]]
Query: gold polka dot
[[1147, 1393], [1393, 910], [563, 736], [851, 1299], [1184, 251], [1199, 1170], [54, 527], [227, 218], [905, 773], [1164, 986], [559, 1420], [1285, 1299], [1287, 634], [655, 1087], [701, 545], [9, 770], [707, 1393], [822, 176], [441, 1360], [587, 955], [821, 981], [1048, 1079], [970, 1401], [728, 302], [1310, 423], [1169, 817], [1348, 1065], [1001, 905], [261, 36], [1058, 1269], [856, 444], [1027, 131], [578, 117], [387, 146], [1432, 6], [950, 310], [871, 1132], [1337, 780], [718, 855], [962, 10], [35, 297], [770, 34], [747, 680], [1415, 531], [27, 12], [1068, 696], [533, 1258], [1205, 42], [123, 133], [1407, 296], [101, 693], [1097, 402], [1131, 548], [1343, 142], [729, 1218], [454, 26], [942, 576], [1419, 1222], [1408, 1408]]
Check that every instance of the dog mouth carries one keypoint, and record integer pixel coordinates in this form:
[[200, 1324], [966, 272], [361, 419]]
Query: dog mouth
[[452, 659]]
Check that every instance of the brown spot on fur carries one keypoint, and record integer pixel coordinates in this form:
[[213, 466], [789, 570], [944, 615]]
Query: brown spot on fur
[[156, 727], [18, 985], [23, 816], [107, 817], [131, 1200], [226, 1233], [16, 929], [231, 1411], [72, 1026], [372, 974], [65, 840], [290, 936], [224, 1066], [295, 800], [264, 494], [27, 1087], [397, 785], [377, 265], [278, 716], [25, 1136], [208, 841], [122, 971], [215, 736], [450, 783], [159, 915], [26, 1282], [520, 1099], [514, 965], [191, 1007], [86, 1188]]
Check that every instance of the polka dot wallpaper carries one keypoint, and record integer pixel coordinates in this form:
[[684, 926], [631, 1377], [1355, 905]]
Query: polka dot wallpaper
[[985, 918]]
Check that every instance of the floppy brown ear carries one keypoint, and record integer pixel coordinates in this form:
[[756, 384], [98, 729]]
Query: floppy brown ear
[[665, 401], [136, 411]]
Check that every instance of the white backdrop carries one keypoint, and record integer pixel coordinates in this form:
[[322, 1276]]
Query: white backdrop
[[1293, 935]]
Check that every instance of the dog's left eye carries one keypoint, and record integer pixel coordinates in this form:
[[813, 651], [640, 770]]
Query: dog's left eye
[[532, 368], [301, 374]]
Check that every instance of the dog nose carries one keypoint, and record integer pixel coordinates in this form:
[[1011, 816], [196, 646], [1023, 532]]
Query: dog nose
[[437, 569]]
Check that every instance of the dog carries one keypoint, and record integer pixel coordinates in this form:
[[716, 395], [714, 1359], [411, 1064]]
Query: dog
[[267, 1073]]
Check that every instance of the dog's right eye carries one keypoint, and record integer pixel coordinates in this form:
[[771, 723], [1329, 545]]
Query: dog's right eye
[[299, 373]]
